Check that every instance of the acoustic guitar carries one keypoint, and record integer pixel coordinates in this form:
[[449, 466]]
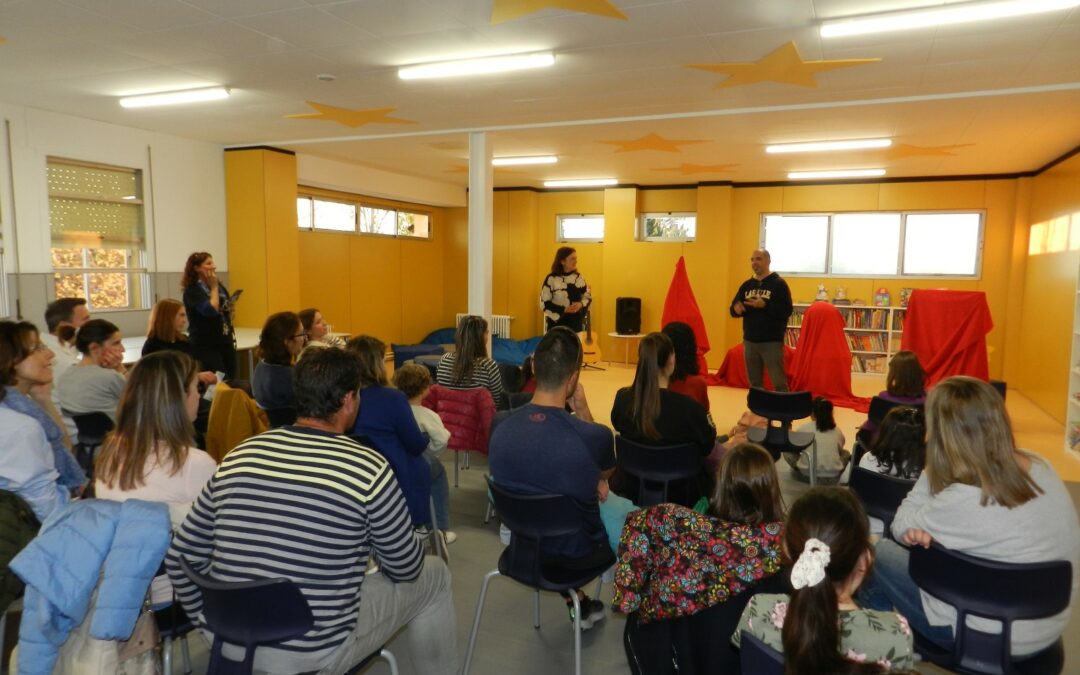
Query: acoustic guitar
[[590, 345]]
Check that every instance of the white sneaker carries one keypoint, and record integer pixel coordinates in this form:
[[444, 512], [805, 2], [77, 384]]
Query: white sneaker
[[449, 536]]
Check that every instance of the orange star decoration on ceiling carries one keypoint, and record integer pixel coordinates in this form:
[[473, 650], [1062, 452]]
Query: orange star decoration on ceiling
[[651, 142], [904, 150], [691, 169], [508, 10], [350, 118], [784, 65]]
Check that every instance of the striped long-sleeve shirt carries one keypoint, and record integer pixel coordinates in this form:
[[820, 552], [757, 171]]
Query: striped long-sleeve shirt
[[305, 505], [485, 373]]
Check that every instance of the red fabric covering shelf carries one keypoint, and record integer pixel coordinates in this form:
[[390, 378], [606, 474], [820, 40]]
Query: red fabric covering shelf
[[947, 331], [822, 363]]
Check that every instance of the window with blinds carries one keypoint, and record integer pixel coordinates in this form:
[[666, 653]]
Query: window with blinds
[[98, 234]]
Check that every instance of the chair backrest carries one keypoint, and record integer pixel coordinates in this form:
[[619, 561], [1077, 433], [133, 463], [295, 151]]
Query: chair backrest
[[531, 519], [879, 408], [758, 658], [279, 417], [993, 590], [880, 495], [781, 406], [656, 467], [92, 427], [249, 614]]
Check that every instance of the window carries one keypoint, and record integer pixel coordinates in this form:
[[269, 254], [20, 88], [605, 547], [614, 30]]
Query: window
[[98, 234], [798, 244], [579, 227], [316, 213], [668, 227], [877, 244]]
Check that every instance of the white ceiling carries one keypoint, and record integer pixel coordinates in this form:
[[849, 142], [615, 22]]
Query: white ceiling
[[1008, 91]]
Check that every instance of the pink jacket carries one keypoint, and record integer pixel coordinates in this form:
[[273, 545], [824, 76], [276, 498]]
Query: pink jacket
[[467, 414]]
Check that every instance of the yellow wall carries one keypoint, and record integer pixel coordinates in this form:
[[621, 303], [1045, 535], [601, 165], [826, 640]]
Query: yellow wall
[[388, 287], [1045, 336], [260, 188], [718, 261]]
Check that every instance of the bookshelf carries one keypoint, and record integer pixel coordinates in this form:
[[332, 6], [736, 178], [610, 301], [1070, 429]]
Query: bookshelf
[[873, 335]]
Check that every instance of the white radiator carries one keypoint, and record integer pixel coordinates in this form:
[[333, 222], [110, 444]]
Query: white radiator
[[499, 324]]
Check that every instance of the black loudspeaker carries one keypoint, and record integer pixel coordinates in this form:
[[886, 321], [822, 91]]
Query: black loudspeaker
[[627, 316]]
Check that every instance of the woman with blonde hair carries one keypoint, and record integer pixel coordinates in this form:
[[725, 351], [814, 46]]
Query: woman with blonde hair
[[150, 455], [468, 366], [981, 495]]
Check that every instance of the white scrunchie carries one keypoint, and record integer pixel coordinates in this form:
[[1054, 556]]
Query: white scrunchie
[[809, 569]]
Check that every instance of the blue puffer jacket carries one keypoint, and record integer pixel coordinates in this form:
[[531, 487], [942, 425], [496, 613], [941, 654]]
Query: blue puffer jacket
[[123, 543]]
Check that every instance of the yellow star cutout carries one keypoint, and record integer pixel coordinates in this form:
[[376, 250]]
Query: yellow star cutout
[[651, 142], [350, 118], [690, 169], [904, 150], [784, 65], [508, 10]]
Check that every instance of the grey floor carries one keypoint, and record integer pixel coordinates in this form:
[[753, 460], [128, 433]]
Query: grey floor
[[507, 642]]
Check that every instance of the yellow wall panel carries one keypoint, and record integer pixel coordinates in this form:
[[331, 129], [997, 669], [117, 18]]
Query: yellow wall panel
[[282, 234], [708, 264], [455, 264], [421, 298], [324, 259], [523, 290], [931, 195], [374, 273], [245, 218], [826, 197], [668, 201], [500, 252]]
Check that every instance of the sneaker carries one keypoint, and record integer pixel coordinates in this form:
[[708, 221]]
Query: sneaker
[[591, 612], [449, 536]]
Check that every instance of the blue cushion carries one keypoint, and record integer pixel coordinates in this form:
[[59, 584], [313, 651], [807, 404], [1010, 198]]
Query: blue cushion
[[403, 353], [513, 352], [443, 336]]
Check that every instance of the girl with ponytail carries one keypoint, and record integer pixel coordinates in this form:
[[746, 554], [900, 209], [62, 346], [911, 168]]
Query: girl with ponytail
[[819, 628]]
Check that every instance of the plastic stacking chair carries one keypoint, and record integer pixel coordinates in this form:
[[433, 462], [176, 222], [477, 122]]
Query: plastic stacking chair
[[657, 467], [251, 614], [782, 408], [880, 495], [758, 658], [1004, 592], [280, 417], [174, 624], [92, 430], [532, 519]]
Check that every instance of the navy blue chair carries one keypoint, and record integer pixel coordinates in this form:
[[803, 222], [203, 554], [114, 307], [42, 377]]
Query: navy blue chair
[[781, 408], [92, 429], [251, 614], [532, 519], [1004, 592], [880, 495], [657, 467], [758, 658], [279, 417]]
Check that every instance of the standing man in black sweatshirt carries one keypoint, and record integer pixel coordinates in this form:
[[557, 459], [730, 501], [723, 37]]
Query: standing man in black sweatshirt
[[764, 303]]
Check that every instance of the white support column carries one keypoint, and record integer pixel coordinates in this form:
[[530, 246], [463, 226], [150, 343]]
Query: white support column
[[480, 227]]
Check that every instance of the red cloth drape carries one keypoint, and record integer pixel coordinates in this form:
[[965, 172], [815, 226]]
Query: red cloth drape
[[947, 331], [822, 363], [681, 305], [732, 372]]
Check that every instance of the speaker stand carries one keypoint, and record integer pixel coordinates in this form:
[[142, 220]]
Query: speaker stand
[[589, 366]]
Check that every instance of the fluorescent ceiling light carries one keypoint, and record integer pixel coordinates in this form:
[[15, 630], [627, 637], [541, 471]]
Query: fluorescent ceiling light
[[480, 66], [589, 182], [826, 146], [175, 97], [942, 15], [518, 161], [847, 173]]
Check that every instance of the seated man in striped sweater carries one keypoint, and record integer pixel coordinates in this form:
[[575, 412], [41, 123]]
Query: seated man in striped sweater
[[314, 505]]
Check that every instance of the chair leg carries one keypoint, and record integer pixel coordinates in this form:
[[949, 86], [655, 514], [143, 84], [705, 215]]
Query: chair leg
[[577, 632], [457, 463], [476, 620], [467, 465], [813, 463], [599, 586], [185, 653], [536, 611], [166, 655], [389, 656], [489, 511]]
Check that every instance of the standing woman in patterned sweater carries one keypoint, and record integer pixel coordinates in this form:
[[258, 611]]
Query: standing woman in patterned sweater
[[468, 366], [565, 296]]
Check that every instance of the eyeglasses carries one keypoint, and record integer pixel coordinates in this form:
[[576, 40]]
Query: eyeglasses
[[300, 335]]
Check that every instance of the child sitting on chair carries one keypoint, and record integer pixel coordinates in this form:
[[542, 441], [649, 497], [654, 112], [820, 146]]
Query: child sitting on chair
[[831, 456], [414, 381]]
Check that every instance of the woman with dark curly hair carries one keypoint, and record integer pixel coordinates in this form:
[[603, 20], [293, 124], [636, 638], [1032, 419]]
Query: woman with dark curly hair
[[210, 314], [280, 342]]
